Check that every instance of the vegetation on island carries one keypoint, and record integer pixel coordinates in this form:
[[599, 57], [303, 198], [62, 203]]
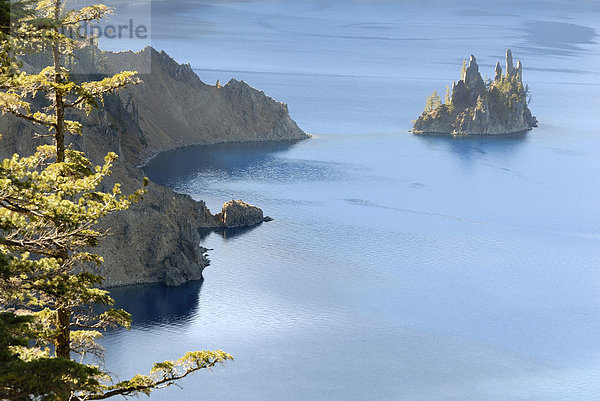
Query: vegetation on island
[[50, 204], [506, 94], [474, 106], [433, 102]]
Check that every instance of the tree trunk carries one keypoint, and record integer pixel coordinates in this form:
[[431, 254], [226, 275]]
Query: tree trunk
[[59, 102], [63, 339], [62, 343], [63, 315]]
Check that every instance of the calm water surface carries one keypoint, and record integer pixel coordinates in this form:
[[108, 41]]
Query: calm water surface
[[397, 267]]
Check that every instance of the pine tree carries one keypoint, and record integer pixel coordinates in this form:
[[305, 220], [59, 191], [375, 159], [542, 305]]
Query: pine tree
[[50, 204], [12, 10], [433, 102], [463, 69]]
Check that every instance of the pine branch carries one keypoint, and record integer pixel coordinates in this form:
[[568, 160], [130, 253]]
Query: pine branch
[[31, 118], [147, 384]]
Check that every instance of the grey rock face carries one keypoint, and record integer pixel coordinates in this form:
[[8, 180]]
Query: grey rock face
[[460, 94], [519, 71], [473, 81], [474, 109], [509, 62], [157, 239], [176, 109], [239, 214], [498, 76]]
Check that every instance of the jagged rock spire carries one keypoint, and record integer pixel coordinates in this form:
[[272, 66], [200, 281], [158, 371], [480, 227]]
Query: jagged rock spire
[[473, 80], [509, 63], [472, 71], [498, 76], [460, 95], [519, 71]]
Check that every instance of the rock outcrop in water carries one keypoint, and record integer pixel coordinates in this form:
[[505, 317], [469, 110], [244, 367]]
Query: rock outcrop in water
[[475, 107], [157, 240], [238, 213]]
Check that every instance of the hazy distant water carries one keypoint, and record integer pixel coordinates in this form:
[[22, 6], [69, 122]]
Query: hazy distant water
[[397, 267]]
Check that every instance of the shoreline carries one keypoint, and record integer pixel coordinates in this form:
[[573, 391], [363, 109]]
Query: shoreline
[[156, 154]]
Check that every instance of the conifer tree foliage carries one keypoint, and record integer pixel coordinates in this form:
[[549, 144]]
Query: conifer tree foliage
[[13, 10], [433, 101], [50, 204]]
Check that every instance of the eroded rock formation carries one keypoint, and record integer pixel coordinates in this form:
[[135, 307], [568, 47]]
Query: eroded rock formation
[[497, 107], [237, 213]]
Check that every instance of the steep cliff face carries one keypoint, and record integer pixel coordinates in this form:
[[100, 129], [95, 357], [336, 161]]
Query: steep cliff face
[[157, 240], [476, 108], [174, 108]]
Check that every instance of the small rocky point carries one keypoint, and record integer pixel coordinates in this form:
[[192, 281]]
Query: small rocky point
[[237, 213], [475, 107]]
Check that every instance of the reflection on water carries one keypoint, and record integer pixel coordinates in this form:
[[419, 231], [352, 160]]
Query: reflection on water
[[469, 148], [157, 304], [206, 166], [228, 233], [231, 157]]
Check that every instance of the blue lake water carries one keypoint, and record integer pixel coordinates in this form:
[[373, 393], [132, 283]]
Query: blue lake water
[[397, 267]]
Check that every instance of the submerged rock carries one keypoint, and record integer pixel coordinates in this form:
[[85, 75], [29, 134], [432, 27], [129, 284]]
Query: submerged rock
[[476, 107]]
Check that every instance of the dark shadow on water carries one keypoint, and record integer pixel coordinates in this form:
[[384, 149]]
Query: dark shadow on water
[[227, 233], [157, 304], [186, 162], [550, 38], [230, 233], [187, 170], [152, 304], [474, 147]]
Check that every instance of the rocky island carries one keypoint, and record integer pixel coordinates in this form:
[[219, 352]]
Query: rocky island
[[158, 239], [475, 107]]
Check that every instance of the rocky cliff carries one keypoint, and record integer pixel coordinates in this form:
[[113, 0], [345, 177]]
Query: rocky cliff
[[174, 108], [157, 240], [475, 107]]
